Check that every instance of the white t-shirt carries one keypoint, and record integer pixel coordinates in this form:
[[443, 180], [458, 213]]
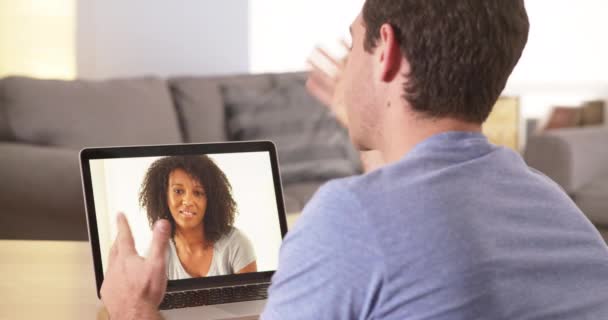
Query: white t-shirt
[[231, 253]]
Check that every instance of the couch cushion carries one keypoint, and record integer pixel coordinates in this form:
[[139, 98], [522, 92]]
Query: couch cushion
[[297, 195], [200, 103], [5, 129], [83, 113], [44, 199], [572, 157], [593, 200], [311, 145]]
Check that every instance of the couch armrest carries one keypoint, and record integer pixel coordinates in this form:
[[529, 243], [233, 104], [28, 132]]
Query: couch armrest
[[571, 157], [41, 193]]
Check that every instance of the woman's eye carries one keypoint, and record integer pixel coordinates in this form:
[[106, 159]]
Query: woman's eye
[[178, 191], [199, 194]]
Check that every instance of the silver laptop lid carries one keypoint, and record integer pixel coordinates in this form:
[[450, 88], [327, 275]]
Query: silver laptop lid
[[231, 192]]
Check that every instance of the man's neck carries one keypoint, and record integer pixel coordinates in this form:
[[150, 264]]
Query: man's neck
[[404, 132]]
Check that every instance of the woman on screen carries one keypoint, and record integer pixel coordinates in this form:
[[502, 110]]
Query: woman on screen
[[195, 196]]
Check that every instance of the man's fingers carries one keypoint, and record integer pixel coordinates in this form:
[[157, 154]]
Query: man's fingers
[[345, 44], [160, 241], [328, 56], [124, 240], [319, 92], [321, 76], [113, 253], [317, 68], [156, 259]]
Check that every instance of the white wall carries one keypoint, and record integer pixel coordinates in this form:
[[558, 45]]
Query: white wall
[[139, 37], [566, 43], [565, 61], [284, 33]]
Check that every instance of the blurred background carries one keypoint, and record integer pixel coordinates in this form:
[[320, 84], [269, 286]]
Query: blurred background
[[564, 61], [212, 61]]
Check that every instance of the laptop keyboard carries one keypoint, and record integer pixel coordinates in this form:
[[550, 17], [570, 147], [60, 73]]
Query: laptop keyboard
[[204, 297]]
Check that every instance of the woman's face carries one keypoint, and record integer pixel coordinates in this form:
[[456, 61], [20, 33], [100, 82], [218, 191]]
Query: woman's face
[[187, 200]]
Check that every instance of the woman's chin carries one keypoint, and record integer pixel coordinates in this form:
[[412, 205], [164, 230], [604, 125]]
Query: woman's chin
[[188, 223]]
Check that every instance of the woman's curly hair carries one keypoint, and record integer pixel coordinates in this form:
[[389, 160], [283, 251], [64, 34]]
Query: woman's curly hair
[[221, 207]]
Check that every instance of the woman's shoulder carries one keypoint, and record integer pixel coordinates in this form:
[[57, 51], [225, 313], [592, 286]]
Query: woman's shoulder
[[232, 238]]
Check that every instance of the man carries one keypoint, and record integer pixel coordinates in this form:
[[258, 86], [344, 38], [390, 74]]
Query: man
[[450, 226]]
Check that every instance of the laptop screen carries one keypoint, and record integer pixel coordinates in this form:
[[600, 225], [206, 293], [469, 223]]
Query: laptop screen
[[222, 207]]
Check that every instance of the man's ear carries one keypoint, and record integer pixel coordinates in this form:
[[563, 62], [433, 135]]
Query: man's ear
[[390, 53]]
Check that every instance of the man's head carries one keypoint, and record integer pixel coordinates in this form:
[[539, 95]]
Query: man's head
[[448, 58]]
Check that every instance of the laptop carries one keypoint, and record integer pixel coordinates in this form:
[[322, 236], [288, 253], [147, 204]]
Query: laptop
[[228, 194]]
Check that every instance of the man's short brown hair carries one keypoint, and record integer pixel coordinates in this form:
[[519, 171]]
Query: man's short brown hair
[[461, 52]]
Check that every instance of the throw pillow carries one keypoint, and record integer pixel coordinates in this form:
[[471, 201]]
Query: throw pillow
[[311, 144], [564, 117], [5, 129], [592, 113]]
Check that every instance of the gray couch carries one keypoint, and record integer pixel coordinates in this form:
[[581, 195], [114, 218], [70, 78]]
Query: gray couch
[[577, 159], [44, 124]]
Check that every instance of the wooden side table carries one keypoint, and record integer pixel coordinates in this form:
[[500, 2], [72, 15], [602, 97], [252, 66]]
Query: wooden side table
[[47, 280], [51, 280], [503, 125]]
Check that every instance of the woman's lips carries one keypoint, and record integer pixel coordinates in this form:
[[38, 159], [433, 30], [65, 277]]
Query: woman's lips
[[187, 214]]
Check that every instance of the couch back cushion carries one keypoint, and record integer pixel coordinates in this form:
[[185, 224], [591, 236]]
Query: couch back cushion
[[6, 133], [77, 114], [312, 146], [592, 113], [200, 103]]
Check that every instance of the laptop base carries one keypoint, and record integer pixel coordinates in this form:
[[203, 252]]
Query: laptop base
[[235, 311]]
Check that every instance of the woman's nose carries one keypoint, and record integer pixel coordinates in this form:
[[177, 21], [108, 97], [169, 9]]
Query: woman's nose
[[186, 199]]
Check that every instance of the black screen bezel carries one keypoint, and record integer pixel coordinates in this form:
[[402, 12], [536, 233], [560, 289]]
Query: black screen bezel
[[174, 150]]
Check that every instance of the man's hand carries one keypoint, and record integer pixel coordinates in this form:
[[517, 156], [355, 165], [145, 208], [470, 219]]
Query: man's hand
[[133, 286], [327, 85]]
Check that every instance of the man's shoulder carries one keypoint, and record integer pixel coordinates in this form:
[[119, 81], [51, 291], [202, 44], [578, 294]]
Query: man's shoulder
[[365, 192], [337, 214], [344, 195], [334, 197], [356, 186]]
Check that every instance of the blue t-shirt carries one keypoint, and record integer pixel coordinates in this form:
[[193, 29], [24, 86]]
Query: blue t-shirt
[[457, 229]]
